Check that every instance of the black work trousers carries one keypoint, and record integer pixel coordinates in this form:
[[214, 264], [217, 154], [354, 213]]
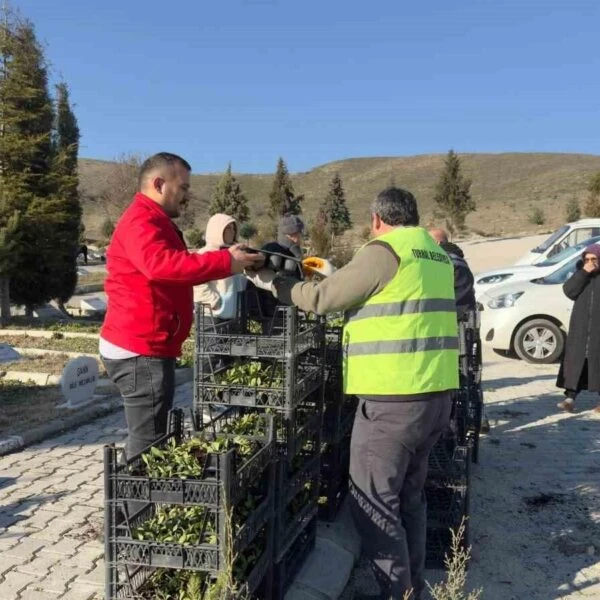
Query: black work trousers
[[391, 443], [147, 385]]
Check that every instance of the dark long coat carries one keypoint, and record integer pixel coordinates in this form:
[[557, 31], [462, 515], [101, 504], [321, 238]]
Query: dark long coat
[[583, 340]]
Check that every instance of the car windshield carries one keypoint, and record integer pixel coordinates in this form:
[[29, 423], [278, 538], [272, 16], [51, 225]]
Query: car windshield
[[547, 243], [570, 251], [562, 274]]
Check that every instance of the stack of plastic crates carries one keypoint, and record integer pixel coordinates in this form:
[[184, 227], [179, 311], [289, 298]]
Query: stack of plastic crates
[[447, 493], [193, 512], [469, 401], [271, 364], [338, 418]]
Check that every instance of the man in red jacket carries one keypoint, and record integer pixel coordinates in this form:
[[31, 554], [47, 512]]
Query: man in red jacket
[[149, 295]]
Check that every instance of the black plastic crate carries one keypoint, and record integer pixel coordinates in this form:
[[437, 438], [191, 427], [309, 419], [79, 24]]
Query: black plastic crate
[[289, 332], [225, 479], [291, 562], [335, 465], [295, 430], [468, 416], [292, 381], [449, 462], [338, 418], [447, 504], [439, 545], [447, 494], [134, 583], [296, 501], [199, 556]]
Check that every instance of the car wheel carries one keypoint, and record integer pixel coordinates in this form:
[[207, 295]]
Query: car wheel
[[539, 341]]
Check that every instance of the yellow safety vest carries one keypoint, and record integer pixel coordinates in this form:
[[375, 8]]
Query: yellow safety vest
[[404, 339]]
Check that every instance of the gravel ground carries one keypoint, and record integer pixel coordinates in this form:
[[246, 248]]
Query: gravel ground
[[535, 494]]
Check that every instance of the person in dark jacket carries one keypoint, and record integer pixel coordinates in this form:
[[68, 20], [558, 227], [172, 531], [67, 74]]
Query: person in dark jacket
[[463, 277], [290, 235], [580, 367]]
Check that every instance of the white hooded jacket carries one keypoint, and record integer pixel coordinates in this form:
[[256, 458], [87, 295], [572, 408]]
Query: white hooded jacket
[[220, 295]]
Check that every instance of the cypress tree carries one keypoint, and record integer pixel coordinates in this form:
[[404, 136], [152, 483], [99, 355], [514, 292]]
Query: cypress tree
[[229, 199], [67, 218], [282, 199], [453, 194], [25, 158], [336, 211]]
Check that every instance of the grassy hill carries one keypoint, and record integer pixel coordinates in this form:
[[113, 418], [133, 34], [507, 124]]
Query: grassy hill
[[506, 187]]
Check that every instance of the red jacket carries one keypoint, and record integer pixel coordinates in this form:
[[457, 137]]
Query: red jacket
[[150, 280]]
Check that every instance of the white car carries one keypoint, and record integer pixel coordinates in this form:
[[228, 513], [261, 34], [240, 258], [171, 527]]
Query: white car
[[567, 235], [485, 281], [530, 318]]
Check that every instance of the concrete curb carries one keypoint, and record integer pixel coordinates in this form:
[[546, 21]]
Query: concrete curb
[[327, 570], [105, 406]]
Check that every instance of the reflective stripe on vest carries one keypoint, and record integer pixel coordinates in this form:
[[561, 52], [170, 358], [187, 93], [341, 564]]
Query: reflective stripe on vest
[[404, 340], [401, 308]]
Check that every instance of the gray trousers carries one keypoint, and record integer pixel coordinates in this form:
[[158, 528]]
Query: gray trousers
[[147, 385], [390, 447]]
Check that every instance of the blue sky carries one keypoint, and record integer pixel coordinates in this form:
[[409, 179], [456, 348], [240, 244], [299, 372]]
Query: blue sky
[[321, 81]]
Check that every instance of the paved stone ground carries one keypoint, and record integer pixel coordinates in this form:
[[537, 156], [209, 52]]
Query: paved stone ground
[[51, 513], [535, 495], [535, 501]]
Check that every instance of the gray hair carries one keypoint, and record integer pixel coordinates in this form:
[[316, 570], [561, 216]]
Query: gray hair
[[396, 206]]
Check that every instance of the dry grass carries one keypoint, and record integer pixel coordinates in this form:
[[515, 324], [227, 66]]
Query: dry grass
[[93, 278], [506, 187], [25, 405], [76, 324], [53, 364], [86, 345], [453, 587]]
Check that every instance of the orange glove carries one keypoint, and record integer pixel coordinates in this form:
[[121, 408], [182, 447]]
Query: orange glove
[[313, 265]]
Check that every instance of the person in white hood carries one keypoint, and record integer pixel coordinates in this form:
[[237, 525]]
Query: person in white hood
[[221, 295]]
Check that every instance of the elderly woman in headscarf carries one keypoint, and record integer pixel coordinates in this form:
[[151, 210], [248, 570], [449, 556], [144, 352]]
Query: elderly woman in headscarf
[[580, 368]]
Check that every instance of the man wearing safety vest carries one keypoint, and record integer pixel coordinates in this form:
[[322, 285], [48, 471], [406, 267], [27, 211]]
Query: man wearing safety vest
[[400, 357]]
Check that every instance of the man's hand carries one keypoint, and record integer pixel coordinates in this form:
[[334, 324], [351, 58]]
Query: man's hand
[[590, 267], [241, 259]]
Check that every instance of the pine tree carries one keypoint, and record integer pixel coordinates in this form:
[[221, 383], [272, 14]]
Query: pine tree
[[26, 158], [592, 205], [66, 235], [26, 116], [336, 211], [453, 194], [282, 199], [229, 199]]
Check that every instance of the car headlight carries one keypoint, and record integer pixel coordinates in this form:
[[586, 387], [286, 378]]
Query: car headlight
[[505, 300], [493, 279]]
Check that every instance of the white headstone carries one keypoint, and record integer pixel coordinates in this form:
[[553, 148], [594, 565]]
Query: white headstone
[[79, 380], [48, 312], [8, 353], [94, 304]]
